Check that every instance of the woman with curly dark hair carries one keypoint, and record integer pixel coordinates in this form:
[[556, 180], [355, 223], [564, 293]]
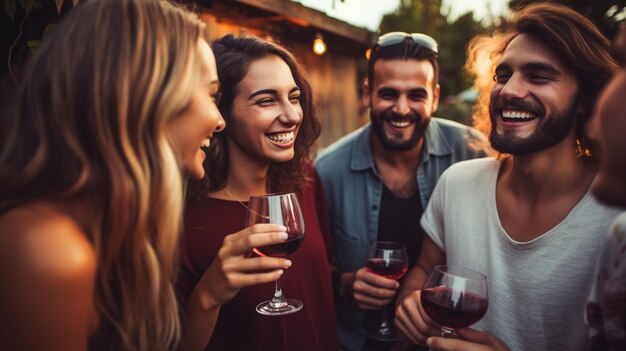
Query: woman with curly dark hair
[[266, 148]]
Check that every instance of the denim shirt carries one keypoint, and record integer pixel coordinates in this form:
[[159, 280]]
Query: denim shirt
[[354, 189]]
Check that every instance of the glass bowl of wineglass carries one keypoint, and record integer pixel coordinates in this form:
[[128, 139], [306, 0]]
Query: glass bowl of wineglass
[[284, 209], [454, 297], [390, 261]]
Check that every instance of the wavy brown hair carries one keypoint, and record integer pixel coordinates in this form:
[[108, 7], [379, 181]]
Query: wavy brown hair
[[234, 54], [573, 38], [92, 124]]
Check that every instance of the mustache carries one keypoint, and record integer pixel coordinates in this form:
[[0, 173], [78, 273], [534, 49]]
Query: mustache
[[523, 105]]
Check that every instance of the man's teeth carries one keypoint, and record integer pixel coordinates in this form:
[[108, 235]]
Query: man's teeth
[[282, 138], [521, 115], [400, 124]]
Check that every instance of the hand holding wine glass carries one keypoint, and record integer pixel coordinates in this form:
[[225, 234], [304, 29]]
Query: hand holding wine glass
[[454, 297], [231, 270], [469, 340], [390, 261], [283, 209]]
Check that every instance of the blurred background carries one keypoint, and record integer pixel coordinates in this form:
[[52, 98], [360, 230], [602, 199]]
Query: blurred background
[[329, 37]]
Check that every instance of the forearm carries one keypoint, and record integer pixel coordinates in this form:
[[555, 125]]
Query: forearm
[[342, 283], [430, 256], [345, 286], [414, 280], [199, 319]]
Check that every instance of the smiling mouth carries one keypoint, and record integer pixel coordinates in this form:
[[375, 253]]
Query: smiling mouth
[[400, 123], [282, 138], [517, 116]]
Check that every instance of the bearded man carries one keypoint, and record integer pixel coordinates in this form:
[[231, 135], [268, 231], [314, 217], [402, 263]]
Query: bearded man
[[378, 179], [526, 219]]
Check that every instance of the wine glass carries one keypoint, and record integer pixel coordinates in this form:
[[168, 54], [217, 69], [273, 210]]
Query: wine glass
[[454, 297], [390, 261], [279, 209]]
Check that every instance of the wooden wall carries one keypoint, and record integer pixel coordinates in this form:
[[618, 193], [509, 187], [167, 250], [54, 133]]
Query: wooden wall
[[334, 76]]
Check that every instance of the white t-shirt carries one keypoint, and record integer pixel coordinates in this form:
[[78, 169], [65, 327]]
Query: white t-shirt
[[537, 289]]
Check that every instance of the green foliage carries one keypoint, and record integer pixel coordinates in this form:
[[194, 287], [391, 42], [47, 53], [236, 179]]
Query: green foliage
[[453, 39], [30, 22], [604, 13], [422, 16], [10, 6], [456, 111]]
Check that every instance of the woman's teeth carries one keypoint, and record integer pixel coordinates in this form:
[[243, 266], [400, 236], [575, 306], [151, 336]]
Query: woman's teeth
[[206, 142], [282, 138]]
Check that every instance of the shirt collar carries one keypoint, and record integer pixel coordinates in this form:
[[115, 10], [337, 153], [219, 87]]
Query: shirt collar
[[436, 140]]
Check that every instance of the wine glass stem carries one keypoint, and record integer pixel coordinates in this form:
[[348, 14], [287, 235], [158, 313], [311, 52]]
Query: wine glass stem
[[278, 301], [384, 324]]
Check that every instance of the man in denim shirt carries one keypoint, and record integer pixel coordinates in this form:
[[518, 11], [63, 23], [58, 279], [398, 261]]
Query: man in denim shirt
[[379, 178]]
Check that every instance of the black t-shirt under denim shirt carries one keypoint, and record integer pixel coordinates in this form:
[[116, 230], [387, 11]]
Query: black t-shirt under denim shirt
[[398, 221]]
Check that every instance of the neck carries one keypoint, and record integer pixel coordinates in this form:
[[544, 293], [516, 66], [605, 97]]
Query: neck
[[406, 159], [245, 177], [242, 186], [551, 172]]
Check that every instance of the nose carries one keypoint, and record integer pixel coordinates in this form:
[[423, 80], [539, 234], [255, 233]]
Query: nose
[[514, 88], [221, 123], [401, 106], [290, 114]]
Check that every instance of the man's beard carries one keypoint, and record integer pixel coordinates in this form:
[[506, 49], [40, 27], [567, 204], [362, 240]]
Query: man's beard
[[393, 144], [550, 130]]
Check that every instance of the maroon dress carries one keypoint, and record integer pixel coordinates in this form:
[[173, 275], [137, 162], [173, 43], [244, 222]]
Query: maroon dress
[[239, 326]]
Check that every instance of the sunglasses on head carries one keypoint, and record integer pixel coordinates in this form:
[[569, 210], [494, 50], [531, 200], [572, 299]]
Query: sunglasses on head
[[393, 38]]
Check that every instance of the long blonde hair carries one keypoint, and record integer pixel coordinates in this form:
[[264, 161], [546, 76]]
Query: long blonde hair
[[92, 124]]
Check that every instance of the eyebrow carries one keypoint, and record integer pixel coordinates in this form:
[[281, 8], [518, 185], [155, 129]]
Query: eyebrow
[[540, 66], [532, 66], [271, 92]]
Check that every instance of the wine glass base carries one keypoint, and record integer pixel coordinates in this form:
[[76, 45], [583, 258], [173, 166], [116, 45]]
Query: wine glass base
[[389, 335], [292, 306]]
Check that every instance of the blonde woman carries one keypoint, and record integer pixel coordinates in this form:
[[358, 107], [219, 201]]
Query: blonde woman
[[115, 107]]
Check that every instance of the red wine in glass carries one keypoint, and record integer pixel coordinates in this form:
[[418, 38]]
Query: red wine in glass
[[389, 260], [282, 209], [453, 310], [390, 269], [284, 249], [454, 297]]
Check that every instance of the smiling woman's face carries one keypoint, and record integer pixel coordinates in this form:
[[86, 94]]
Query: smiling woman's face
[[194, 127], [266, 113]]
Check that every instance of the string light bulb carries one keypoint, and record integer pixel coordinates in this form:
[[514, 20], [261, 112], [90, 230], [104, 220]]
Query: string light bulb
[[319, 46]]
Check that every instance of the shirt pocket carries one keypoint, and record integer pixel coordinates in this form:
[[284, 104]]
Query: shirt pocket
[[349, 247]]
